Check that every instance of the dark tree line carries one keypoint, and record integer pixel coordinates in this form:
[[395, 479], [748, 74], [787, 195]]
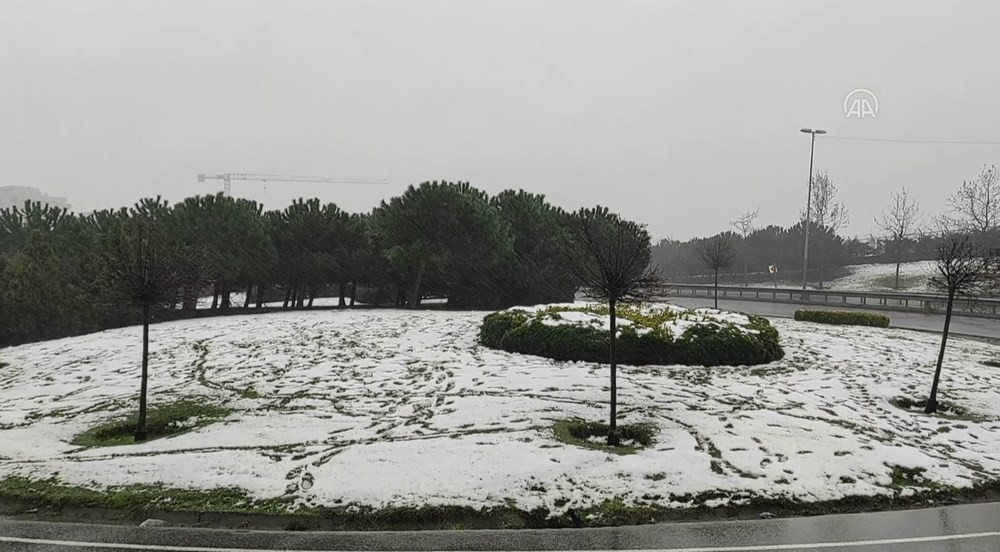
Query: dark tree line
[[782, 247], [755, 252], [437, 239]]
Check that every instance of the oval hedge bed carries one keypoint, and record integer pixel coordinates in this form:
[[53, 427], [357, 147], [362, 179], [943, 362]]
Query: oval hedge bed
[[656, 334], [845, 318]]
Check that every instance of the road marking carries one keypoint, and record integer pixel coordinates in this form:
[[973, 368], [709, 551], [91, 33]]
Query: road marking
[[755, 548]]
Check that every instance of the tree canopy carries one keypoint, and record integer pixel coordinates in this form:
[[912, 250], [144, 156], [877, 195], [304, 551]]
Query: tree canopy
[[440, 239]]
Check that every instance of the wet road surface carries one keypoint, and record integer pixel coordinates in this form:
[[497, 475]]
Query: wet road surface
[[961, 528]]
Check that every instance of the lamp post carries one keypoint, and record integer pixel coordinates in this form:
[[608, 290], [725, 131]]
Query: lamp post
[[805, 251]]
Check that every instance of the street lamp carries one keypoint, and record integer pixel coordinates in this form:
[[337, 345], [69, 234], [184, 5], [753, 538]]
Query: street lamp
[[805, 252]]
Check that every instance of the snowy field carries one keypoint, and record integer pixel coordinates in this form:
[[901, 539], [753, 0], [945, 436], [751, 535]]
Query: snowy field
[[913, 278], [403, 408]]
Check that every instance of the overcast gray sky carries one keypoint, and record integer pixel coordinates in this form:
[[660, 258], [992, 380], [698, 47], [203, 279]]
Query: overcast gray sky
[[680, 114]]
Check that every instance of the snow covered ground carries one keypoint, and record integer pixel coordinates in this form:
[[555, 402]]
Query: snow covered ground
[[913, 278], [396, 408]]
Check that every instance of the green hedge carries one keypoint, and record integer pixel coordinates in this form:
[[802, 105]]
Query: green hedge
[[848, 318], [706, 345]]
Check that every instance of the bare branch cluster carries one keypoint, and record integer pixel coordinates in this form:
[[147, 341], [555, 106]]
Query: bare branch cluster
[[612, 257], [716, 253], [745, 223], [900, 218], [967, 265], [144, 267], [827, 212], [976, 205]]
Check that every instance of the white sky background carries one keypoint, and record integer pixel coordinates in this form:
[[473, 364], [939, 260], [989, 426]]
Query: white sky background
[[677, 114]]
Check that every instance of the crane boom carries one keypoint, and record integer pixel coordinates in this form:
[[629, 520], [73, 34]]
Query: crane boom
[[227, 179]]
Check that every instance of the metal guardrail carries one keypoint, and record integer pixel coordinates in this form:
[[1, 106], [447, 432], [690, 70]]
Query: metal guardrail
[[908, 302]]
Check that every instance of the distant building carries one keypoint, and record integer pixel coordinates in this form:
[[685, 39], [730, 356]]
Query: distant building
[[15, 196]]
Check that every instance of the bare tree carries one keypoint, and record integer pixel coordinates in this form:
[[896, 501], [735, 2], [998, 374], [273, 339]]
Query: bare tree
[[611, 259], [145, 270], [827, 213], [898, 221], [716, 253], [744, 224], [976, 205], [965, 267]]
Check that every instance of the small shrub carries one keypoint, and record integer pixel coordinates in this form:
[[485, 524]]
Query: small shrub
[[844, 318], [161, 421], [497, 325], [593, 435], [643, 342]]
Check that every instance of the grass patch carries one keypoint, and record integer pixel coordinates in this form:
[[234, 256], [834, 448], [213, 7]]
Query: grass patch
[[593, 435], [50, 498], [945, 409], [909, 477], [50, 493], [905, 282], [164, 420]]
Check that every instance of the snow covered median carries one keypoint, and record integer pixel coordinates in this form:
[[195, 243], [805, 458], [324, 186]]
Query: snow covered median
[[394, 408]]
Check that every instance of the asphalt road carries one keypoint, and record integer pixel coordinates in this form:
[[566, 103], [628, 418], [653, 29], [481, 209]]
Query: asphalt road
[[962, 528], [960, 325]]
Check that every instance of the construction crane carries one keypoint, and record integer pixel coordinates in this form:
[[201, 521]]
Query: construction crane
[[227, 179]]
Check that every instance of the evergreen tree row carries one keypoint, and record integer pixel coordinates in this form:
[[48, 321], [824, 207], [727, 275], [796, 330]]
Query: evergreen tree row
[[438, 239]]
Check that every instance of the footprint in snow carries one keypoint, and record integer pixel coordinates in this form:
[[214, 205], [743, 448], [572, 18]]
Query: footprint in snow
[[307, 481]]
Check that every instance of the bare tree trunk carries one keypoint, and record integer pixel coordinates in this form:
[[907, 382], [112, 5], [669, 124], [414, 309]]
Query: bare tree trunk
[[140, 428], [897, 272], [932, 402], [716, 288], [215, 296], [613, 439], [190, 301], [312, 295], [260, 296], [414, 298], [343, 294], [288, 297], [246, 301], [354, 291], [226, 300]]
